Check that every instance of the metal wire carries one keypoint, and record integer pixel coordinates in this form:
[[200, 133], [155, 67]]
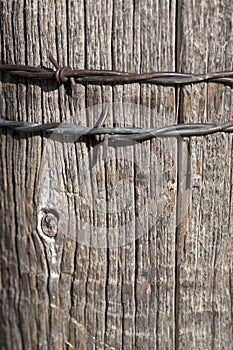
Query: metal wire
[[64, 74], [76, 132]]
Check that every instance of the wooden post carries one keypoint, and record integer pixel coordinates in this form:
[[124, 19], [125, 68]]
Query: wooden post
[[204, 261], [129, 246]]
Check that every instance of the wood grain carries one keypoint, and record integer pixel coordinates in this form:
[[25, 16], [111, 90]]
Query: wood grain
[[97, 250], [204, 291]]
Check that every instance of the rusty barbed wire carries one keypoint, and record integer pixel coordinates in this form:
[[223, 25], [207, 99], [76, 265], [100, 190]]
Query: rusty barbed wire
[[62, 74], [74, 132]]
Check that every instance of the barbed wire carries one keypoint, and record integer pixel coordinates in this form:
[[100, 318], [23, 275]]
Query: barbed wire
[[62, 74], [76, 132]]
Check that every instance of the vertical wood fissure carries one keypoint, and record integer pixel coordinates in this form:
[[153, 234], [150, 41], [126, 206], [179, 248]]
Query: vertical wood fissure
[[178, 92]]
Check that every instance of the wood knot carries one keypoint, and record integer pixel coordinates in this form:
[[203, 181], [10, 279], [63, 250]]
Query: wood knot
[[49, 222]]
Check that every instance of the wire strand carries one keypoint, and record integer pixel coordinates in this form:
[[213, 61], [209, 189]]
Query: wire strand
[[117, 133], [62, 74]]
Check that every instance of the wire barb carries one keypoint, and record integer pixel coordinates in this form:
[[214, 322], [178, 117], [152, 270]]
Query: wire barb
[[61, 71]]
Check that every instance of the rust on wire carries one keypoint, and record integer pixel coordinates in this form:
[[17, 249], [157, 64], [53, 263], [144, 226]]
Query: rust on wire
[[62, 74]]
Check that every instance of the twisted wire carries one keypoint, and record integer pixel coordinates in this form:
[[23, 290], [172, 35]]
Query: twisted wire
[[76, 132], [63, 74]]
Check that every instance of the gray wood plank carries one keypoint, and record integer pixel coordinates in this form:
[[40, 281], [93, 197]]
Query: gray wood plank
[[204, 290]]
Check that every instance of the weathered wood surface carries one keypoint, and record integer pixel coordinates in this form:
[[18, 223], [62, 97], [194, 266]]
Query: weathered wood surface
[[204, 284], [169, 285]]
